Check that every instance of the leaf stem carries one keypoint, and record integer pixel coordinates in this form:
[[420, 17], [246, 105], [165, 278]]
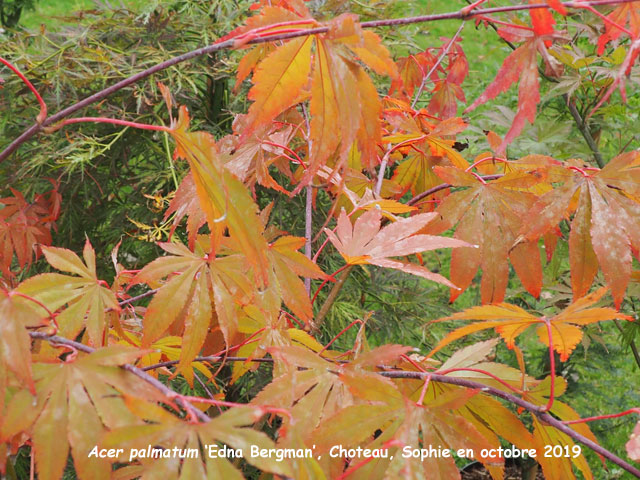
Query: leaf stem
[[343, 331], [331, 298], [602, 417]]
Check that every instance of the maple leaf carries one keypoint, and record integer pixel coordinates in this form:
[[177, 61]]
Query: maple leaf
[[381, 406], [77, 401], [25, 226], [312, 395], [164, 430], [16, 315], [626, 15], [488, 214], [418, 133], [366, 243], [522, 65], [411, 72], [344, 104], [278, 81], [186, 298], [604, 229], [86, 296], [510, 321], [215, 187]]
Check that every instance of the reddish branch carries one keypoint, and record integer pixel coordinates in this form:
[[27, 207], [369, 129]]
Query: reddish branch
[[43, 106], [462, 14], [602, 417]]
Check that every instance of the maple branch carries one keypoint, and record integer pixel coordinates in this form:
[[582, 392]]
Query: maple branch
[[231, 43], [54, 339], [43, 106], [538, 411], [308, 206], [444, 186], [208, 359]]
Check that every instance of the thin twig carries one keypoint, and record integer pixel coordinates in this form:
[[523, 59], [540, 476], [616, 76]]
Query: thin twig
[[231, 43], [138, 297], [308, 207]]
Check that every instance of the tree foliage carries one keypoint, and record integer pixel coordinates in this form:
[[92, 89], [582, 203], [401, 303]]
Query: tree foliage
[[213, 339]]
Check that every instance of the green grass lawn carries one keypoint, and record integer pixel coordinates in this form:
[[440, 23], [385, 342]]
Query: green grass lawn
[[53, 13]]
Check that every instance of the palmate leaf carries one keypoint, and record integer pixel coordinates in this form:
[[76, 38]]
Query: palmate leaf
[[87, 298], [522, 66], [313, 394], [366, 243], [509, 321], [604, 230], [195, 283], [488, 214], [224, 199], [76, 401], [417, 132], [344, 104], [16, 315], [24, 226], [626, 15], [164, 430], [186, 203], [381, 406], [288, 265]]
